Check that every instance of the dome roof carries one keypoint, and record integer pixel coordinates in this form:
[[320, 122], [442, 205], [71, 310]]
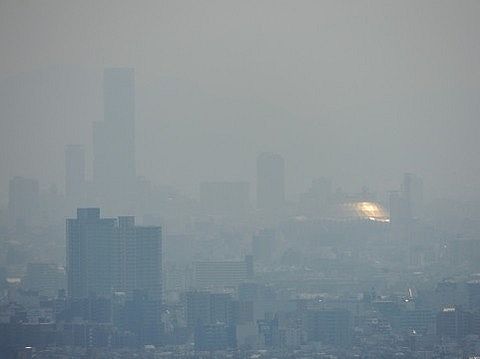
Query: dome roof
[[362, 210]]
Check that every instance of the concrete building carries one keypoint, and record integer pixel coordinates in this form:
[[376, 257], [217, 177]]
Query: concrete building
[[90, 254], [219, 274], [139, 259], [453, 322], [214, 336], [197, 308], [106, 255], [206, 307], [114, 141], [212, 318]]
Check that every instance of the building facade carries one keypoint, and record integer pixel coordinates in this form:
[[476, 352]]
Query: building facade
[[107, 255]]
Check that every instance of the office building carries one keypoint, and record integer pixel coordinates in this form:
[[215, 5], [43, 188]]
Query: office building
[[197, 308], [219, 274], [114, 141], [106, 255], [214, 336], [270, 181], [90, 254], [142, 316], [139, 261], [473, 292], [221, 308], [453, 322], [206, 307], [269, 331], [212, 317]]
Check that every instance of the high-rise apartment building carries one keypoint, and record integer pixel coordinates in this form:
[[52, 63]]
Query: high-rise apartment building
[[270, 181], [106, 255], [90, 254], [139, 259]]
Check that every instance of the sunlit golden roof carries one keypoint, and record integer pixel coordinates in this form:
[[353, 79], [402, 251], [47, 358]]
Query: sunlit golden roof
[[365, 210]]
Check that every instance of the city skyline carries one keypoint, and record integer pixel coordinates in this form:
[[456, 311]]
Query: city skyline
[[268, 179], [360, 110]]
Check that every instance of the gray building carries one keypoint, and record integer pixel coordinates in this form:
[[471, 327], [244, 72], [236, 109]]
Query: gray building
[[220, 274], [106, 255], [114, 141], [90, 254], [139, 261]]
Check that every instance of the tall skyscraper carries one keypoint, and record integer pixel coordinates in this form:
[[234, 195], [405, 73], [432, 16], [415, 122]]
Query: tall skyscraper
[[106, 255], [90, 254], [114, 140], [23, 201], [270, 181], [75, 174]]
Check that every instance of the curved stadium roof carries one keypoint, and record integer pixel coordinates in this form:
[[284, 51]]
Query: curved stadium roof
[[362, 210]]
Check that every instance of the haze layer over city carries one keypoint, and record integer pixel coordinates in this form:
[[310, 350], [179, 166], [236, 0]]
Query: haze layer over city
[[223, 179]]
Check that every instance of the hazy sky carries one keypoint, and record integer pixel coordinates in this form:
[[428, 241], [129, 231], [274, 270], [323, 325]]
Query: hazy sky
[[360, 91]]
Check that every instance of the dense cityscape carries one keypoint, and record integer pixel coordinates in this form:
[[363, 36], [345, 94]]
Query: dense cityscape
[[105, 262], [332, 275]]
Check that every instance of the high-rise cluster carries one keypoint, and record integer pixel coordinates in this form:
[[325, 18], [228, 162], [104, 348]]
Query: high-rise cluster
[[107, 255]]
